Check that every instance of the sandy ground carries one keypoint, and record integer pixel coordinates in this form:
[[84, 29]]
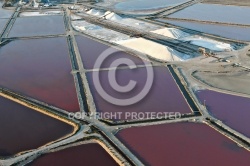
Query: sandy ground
[[235, 82], [229, 2]]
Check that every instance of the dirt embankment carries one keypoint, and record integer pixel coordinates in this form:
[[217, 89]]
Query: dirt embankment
[[229, 2]]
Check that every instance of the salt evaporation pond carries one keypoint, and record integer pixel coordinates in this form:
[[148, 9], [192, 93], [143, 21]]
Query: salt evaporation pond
[[2, 24], [164, 95], [48, 13], [183, 144], [215, 13], [4, 13], [90, 50], [89, 154], [24, 129], [39, 68], [233, 32], [37, 26], [234, 111], [132, 5]]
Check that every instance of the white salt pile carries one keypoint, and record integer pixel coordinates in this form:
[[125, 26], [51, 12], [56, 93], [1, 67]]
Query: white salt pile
[[95, 12], [82, 27], [75, 17], [171, 32], [153, 49], [196, 40], [209, 43], [112, 16]]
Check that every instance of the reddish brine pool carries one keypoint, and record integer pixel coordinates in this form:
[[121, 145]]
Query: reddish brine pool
[[37, 26], [90, 50], [39, 68], [24, 129], [89, 154], [234, 111], [183, 144], [163, 96]]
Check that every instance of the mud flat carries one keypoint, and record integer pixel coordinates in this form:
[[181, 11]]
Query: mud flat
[[232, 32], [235, 82], [24, 129], [89, 154], [182, 144], [37, 26], [215, 13], [90, 50], [40, 69], [163, 96], [232, 110]]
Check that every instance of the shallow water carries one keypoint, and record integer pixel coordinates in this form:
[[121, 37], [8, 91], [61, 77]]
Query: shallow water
[[88, 154], [183, 144], [164, 95], [23, 129], [232, 110], [90, 50], [5, 13], [131, 5], [233, 32], [2, 24], [215, 13], [37, 26], [39, 68]]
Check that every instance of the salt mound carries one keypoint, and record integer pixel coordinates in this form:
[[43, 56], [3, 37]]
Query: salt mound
[[171, 32], [86, 28], [107, 12], [153, 49], [83, 27], [209, 43], [95, 12], [112, 16]]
